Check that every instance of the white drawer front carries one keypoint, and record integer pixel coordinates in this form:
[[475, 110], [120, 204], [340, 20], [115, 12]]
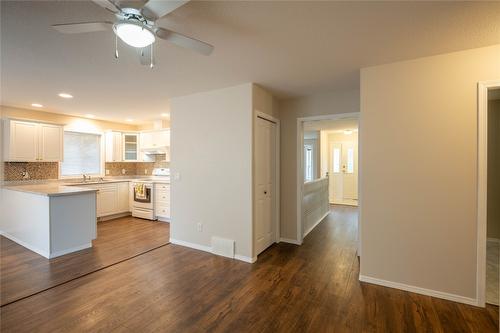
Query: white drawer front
[[162, 197], [162, 211]]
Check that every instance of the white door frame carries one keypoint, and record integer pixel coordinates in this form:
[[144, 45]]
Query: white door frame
[[300, 167], [277, 205], [482, 187]]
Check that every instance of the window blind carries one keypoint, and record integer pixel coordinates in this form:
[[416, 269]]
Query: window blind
[[82, 154]]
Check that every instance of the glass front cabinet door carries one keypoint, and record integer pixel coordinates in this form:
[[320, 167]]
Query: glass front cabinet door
[[130, 146]]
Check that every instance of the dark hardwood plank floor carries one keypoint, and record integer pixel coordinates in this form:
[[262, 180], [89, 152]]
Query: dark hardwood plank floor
[[311, 288], [24, 272]]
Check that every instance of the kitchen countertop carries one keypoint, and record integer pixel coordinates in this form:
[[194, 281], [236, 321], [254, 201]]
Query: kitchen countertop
[[51, 189], [74, 186]]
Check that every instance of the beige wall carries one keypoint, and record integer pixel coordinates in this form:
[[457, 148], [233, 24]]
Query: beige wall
[[211, 136], [71, 121], [289, 111], [418, 140], [494, 169]]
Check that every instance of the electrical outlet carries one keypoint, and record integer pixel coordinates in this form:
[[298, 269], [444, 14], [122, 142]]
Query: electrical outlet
[[107, 171], [124, 171], [145, 171], [199, 226]]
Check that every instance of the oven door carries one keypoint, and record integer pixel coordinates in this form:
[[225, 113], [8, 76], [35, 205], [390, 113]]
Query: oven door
[[147, 200]]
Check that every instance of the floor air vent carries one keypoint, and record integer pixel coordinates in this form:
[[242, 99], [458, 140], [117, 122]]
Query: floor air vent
[[223, 247]]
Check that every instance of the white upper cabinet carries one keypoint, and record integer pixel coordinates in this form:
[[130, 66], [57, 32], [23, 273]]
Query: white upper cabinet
[[154, 139], [146, 140], [114, 147], [130, 147], [51, 140], [26, 141]]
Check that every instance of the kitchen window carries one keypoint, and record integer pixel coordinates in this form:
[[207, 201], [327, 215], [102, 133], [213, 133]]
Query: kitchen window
[[82, 155]]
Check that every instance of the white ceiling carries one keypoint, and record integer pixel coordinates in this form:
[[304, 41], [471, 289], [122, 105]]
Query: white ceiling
[[331, 125], [292, 48]]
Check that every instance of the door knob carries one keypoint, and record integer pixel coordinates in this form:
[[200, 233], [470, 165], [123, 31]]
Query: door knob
[[265, 192]]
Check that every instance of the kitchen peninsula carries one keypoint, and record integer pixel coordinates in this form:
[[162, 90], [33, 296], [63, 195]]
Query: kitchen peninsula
[[49, 219]]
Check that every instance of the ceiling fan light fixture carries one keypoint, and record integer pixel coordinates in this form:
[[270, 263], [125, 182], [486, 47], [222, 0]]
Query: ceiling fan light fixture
[[134, 34]]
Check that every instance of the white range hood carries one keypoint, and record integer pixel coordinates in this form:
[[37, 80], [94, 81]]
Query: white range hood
[[155, 150]]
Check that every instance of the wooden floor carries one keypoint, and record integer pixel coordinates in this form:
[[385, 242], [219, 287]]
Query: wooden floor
[[24, 272], [311, 288]]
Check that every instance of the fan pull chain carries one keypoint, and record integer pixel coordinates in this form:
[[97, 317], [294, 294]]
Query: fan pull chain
[[116, 46], [151, 65]]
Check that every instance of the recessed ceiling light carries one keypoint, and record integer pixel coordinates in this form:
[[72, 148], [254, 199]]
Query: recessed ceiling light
[[88, 115], [164, 115], [129, 120], [37, 105], [348, 132], [65, 95]]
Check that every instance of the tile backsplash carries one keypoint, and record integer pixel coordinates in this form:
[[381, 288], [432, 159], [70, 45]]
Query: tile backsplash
[[50, 170], [136, 168], [115, 168], [35, 170]]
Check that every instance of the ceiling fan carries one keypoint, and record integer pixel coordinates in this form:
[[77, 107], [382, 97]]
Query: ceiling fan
[[137, 27]]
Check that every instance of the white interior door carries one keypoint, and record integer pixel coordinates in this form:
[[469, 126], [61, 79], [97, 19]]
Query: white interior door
[[265, 176], [343, 173], [349, 172], [335, 172]]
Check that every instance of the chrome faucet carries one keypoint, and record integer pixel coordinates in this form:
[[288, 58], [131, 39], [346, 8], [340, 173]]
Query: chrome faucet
[[85, 178]]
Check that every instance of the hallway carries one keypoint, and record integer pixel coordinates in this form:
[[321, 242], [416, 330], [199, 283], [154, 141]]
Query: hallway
[[311, 288]]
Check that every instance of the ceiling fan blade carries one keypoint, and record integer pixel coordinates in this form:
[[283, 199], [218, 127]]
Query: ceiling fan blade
[[184, 41], [158, 8], [77, 28], [109, 5]]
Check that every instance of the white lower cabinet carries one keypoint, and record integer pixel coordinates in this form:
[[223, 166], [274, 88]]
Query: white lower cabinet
[[106, 201], [112, 198], [162, 201], [123, 197]]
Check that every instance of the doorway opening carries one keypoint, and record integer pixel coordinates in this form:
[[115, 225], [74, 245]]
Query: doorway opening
[[327, 167], [488, 285]]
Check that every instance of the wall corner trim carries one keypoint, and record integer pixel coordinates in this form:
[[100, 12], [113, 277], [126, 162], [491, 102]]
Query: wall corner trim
[[209, 250], [290, 241], [245, 259], [316, 224], [419, 290]]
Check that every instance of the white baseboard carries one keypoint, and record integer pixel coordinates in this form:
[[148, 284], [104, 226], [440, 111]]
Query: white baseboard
[[418, 290], [316, 223], [74, 249], [191, 245], [209, 250], [113, 216], [494, 240], [245, 259], [45, 254], [163, 219], [291, 241]]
